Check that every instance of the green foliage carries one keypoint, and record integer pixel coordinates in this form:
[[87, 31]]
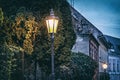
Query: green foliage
[[33, 38], [84, 66], [64, 38], [20, 30], [81, 67], [1, 21], [7, 62], [1, 16], [18, 34], [24, 29]]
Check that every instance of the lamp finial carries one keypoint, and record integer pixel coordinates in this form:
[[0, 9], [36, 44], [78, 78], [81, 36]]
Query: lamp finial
[[51, 12]]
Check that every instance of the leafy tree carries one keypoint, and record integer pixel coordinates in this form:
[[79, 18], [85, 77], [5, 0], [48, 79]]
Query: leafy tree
[[17, 31], [81, 67], [1, 16], [84, 66], [64, 39], [7, 61], [1, 20], [24, 29]]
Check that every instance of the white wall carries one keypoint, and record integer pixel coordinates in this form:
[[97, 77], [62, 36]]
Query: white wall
[[114, 62], [103, 57], [81, 45], [114, 67]]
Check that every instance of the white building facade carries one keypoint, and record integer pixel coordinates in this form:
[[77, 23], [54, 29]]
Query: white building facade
[[114, 57], [114, 67], [103, 53], [95, 46]]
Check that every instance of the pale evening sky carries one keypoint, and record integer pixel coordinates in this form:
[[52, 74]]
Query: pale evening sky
[[104, 14]]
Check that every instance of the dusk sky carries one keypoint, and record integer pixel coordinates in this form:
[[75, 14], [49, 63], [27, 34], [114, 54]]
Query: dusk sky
[[104, 14]]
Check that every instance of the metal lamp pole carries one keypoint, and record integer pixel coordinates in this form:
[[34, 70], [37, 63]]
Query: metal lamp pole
[[52, 56], [104, 68], [52, 23]]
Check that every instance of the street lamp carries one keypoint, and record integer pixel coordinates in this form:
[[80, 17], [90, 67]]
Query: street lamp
[[105, 66], [52, 23]]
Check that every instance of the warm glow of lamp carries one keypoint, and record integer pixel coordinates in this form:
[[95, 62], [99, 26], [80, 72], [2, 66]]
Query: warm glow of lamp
[[52, 22], [104, 66]]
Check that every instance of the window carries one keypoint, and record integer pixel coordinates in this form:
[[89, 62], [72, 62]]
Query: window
[[118, 66], [110, 67], [112, 49], [93, 50], [118, 47], [113, 65]]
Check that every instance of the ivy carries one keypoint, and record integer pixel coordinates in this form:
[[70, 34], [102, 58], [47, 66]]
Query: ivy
[[1, 16], [81, 67], [24, 29], [7, 60], [84, 65]]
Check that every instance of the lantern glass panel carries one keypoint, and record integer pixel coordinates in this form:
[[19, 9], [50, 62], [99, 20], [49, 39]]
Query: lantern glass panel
[[52, 25]]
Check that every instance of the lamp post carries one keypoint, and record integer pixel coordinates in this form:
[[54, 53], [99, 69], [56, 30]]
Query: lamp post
[[105, 66], [52, 23]]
